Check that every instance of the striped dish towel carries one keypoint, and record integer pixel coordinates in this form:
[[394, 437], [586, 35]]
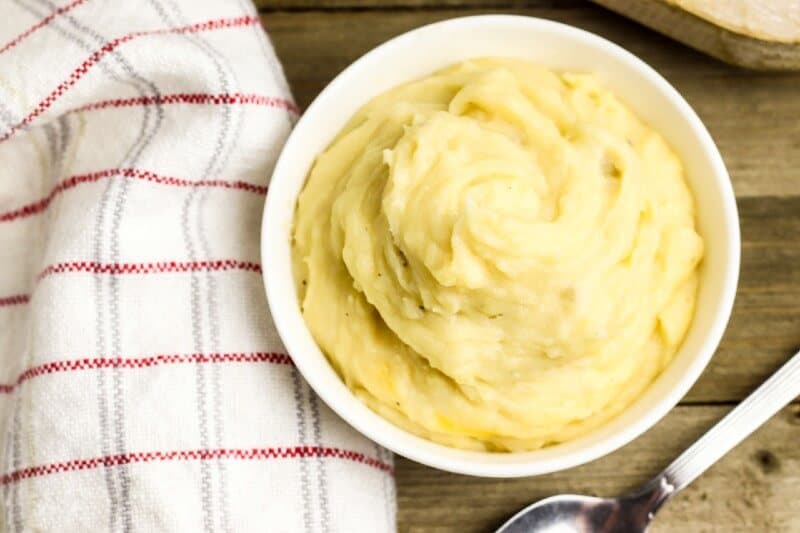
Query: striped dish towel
[[142, 384]]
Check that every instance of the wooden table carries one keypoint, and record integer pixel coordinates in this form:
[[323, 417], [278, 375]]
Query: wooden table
[[755, 120]]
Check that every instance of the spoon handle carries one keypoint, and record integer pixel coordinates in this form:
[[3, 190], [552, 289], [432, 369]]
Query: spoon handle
[[781, 388]]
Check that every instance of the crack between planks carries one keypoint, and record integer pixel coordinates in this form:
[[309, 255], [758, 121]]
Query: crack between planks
[[482, 6]]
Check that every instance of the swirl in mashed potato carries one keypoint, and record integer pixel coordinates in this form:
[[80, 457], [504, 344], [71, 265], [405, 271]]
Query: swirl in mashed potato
[[497, 256]]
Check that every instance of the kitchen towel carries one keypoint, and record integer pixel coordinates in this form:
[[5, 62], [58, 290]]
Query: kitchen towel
[[142, 384]]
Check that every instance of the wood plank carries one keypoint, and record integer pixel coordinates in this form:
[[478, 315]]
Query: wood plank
[[753, 489], [762, 154], [764, 329]]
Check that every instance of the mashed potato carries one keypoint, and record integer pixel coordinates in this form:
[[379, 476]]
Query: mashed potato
[[497, 256]]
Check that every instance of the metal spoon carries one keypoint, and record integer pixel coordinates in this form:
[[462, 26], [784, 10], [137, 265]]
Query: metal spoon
[[633, 512]]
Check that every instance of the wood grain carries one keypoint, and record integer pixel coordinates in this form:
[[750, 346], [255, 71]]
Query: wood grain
[[754, 489], [755, 120]]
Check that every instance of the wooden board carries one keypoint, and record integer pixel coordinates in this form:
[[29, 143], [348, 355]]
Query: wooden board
[[712, 35], [755, 120]]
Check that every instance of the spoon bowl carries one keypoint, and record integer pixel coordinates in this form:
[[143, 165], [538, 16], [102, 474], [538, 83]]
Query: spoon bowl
[[568, 513], [574, 513]]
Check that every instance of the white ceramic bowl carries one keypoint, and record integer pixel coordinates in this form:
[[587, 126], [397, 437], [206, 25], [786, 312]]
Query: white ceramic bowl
[[422, 51]]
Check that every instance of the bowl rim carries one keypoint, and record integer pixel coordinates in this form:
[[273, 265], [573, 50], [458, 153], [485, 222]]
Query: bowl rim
[[476, 463]]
